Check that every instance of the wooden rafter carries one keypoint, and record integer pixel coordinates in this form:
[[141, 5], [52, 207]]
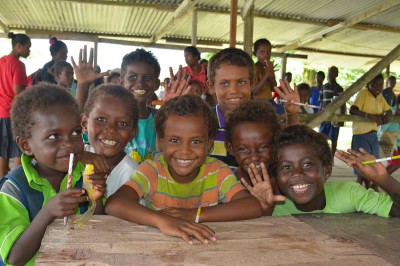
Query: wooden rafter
[[184, 9], [340, 26]]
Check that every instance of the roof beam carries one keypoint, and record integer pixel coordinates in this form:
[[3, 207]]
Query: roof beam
[[184, 9], [246, 8], [4, 26], [342, 25]]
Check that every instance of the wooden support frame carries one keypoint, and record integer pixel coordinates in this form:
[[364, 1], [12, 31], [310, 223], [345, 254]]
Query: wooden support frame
[[194, 27], [355, 87], [247, 14], [233, 23], [342, 25]]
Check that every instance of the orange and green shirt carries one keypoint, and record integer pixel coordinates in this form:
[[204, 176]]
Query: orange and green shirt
[[215, 184]]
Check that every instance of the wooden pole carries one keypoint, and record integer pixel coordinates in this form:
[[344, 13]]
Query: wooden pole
[[283, 66], [355, 87], [248, 31], [194, 27], [387, 75], [232, 36], [95, 49]]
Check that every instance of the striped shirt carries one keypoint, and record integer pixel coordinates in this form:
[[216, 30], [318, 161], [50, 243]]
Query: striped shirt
[[215, 184]]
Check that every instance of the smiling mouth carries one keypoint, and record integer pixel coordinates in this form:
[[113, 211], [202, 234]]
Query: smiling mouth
[[139, 92], [108, 142], [184, 163], [300, 188]]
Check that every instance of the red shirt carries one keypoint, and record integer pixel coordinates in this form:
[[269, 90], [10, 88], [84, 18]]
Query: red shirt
[[12, 72], [201, 77]]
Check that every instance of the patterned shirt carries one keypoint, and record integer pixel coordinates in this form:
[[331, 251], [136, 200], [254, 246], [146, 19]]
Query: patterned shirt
[[214, 184]]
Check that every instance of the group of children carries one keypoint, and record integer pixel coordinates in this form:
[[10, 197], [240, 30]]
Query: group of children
[[184, 184]]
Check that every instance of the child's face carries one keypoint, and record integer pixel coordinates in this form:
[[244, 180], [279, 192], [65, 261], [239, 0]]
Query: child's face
[[109, 126], [140, 80], [301, 176], [185, 145], [232, 86], [304, 96], [56, 133], [263, 52], [65, 77], [376, 86], [250, 144], [319, 79]]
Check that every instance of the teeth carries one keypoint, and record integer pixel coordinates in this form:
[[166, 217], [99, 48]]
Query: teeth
[[234, 100], [109, 142], [141, 92], [300, 186], [184, 161], [258, 166]]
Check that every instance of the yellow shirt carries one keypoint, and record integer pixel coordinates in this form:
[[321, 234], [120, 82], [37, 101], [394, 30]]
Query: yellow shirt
[[366, 102], [266, 91]]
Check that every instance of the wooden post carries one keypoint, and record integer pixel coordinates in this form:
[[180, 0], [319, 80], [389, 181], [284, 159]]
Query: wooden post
[[96, 44], [194, 27], [232, 36], [283, 66], [248, 30], [356, 86], [387, 75]]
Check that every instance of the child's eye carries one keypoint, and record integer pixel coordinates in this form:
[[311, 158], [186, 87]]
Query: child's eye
[[123, 124], [77, 132], [243, 150], [196, 141], [101, 119], [308, 164], [224, 83], [242, 82], [264, 148], [174, 140], [285, 167], [147, 77], [132, 77], [53, 136]]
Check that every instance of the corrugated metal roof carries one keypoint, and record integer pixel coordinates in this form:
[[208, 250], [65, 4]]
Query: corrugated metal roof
[[281, 21]]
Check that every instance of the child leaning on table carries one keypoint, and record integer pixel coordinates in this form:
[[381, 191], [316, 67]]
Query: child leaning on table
[[301, 162], [47, 126], [183, 178]]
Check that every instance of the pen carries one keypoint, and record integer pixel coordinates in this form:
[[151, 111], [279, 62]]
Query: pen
[[70, 165], [299, 104], [382, 160]]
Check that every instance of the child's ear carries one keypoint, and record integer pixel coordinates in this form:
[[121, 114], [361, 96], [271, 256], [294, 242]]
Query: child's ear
[[23, 145], [84, 123], [210, 87], [159, 147], [228, 147], [157, 84], [327, 171], [134, 132]]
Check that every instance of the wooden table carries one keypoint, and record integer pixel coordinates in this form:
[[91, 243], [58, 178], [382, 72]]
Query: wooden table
[[312, 239]]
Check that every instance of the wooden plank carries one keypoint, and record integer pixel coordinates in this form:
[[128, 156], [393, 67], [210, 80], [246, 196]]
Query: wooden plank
[[233, 23], [377, 234], [248, 28], [107, 240]]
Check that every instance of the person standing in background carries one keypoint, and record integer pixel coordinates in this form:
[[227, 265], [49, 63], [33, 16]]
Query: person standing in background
[[13, 80], [317, 90], [59, 52]]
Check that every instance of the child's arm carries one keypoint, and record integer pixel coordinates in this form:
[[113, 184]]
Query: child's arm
[[374, 172], [269, 77], [179, 84], [124, 204], [354, 110], [290, 95], [85, 75], [261, 188], [28, 243]]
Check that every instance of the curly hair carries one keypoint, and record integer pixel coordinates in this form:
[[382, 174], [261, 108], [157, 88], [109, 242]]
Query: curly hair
[[37, 99], [230, 56], [258, 43], [304, 135], [194, 51], [140, 55], [252, 111], [116, 91], [183, 106], [60, 66]]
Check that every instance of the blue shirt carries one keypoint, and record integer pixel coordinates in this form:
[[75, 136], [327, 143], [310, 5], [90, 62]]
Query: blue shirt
[[315, 96]]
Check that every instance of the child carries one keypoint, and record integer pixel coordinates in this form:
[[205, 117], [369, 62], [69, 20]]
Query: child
[[230, 76], [264, 70], [304, 93], [250, 130], [46, 124], [182, 180], [113, 77], [110, 119], [317, 90], [302, 162], [13, 80], [59, 52], [63, 74], [372, 105]]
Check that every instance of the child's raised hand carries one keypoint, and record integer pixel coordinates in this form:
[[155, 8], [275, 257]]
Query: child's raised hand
[[261, 188], [84, 71], [286, 92], [179, 85], [374, 172], [171, 226], [64, 203]]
